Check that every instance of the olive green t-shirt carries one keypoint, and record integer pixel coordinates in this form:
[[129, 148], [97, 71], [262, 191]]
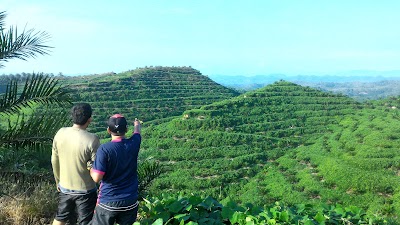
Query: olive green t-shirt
[[72, 149]]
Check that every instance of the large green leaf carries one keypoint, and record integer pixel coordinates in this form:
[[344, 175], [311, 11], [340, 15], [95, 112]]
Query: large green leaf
[[158, 222]]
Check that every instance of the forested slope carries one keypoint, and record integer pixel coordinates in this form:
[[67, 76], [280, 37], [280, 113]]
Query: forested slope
[[283, 142], [151, 94]]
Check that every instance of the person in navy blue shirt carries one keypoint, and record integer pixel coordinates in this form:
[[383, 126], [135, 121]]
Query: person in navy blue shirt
[[115, 167]]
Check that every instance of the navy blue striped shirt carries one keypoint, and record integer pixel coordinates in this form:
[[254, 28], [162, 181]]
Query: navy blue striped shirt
[[117, 161]]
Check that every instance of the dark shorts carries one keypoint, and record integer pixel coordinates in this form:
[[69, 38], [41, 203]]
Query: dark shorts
[[121, 212], [79, 207]]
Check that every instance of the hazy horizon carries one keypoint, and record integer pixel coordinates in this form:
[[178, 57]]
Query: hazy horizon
[[351, 73]]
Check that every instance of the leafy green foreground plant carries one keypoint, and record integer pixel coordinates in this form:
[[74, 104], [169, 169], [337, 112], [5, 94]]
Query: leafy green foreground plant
[[195, 210], [148, 170], [28, 132]]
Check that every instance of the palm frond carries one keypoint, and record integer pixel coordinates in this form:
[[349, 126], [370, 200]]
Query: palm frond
[[148, 170], [38, 89], [33, 130], [2, 19], [27, 44]]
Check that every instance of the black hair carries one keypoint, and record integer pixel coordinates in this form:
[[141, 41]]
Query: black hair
[[81, 113]]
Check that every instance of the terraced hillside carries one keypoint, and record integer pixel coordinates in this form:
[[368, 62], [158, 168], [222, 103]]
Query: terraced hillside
[[359, 163], [271, 145], [151, 94]]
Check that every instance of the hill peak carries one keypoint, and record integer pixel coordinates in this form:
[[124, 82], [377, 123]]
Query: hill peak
[[225, 145], [153, 94]]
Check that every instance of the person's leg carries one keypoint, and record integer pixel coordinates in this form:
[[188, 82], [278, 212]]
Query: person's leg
[[85, 205], [66, 206], [103, 217], [127, 217]]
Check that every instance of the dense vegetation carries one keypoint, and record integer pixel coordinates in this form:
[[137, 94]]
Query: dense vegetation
[[283, 153], [195, 210], [283, 143]]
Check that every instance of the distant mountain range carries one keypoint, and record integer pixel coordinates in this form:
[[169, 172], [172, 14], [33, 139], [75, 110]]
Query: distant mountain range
[[371, 85], [271, 78]]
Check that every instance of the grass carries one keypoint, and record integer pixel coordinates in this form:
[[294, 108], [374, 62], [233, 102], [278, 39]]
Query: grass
[[27, 203]]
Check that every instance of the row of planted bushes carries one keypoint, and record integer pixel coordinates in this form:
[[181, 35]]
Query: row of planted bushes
[[196, 210]]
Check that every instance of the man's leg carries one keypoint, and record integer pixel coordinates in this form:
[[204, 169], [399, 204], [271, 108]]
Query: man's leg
[[102, 216], [127, 217], [66, 206], [85, 205]]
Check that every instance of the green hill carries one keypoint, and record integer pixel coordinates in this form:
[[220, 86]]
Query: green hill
[[152, 94], [283, 142]]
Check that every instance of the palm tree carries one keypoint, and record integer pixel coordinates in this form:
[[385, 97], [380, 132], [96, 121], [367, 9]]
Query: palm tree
[[28, 120], [148, 170]]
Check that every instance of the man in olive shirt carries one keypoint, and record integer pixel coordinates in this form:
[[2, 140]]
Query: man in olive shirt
[[73, 150]]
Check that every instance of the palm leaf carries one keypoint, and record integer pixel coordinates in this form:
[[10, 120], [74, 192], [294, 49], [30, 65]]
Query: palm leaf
[[38, 89], [27, 44], [34, 130], [2, 19], [148, 171]]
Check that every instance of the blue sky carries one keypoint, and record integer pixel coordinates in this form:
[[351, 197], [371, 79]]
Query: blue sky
[[232, 37]]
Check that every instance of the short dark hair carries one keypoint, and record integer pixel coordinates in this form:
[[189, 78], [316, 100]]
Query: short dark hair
[[81, 113]]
